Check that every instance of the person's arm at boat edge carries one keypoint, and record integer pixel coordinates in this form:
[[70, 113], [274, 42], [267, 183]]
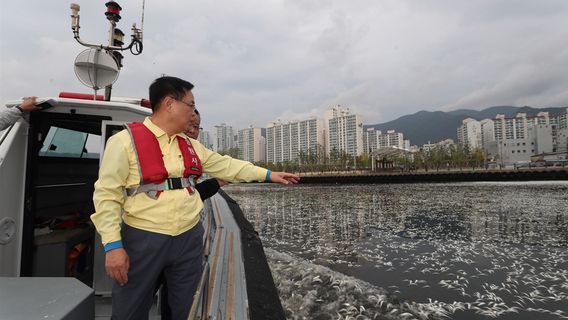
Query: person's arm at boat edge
[[9, 116]]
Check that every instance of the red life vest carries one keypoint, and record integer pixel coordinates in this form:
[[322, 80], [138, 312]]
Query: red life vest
[[151, 163]]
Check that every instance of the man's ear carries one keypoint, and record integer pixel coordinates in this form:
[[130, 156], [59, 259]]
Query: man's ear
[[167, 103]]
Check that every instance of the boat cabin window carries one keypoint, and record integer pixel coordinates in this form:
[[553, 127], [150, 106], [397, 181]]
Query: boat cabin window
[[67, 143]]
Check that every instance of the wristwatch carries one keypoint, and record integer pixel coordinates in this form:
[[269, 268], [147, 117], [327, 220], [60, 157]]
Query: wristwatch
[[20, 108]]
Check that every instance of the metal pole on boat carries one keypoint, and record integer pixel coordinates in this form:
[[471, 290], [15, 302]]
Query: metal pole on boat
[[86, 70], [113, 16]]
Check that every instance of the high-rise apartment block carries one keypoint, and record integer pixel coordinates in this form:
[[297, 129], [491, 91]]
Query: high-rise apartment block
[[487, 132], [511, 128], [469, 133], [285, 141], [344, 131], [223, 138], [375, 139], [252, 145], [515, 139], [205, 139], [562, 132], [370, 140]]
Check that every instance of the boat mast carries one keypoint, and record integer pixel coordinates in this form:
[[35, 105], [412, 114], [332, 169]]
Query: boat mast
[[115, 43]]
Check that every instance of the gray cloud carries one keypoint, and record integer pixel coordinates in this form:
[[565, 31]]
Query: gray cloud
[[256, 61]]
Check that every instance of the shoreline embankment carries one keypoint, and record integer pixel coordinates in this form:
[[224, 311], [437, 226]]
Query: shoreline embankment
[[465, 175]]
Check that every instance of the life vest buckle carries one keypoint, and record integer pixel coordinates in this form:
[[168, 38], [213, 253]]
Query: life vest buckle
[[168, 184], [174, 183]]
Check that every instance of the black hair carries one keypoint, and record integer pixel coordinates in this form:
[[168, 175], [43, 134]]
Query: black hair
[[168, 86]]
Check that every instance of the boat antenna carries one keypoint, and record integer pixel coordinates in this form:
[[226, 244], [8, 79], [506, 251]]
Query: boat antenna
[[90, 67], [137, 48], [143, 8]]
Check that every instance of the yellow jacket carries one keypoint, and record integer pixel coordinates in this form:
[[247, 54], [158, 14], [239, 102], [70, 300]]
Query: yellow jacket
[[175, 211]]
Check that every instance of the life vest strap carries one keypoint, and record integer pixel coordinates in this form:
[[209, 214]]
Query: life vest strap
[[168, 184]]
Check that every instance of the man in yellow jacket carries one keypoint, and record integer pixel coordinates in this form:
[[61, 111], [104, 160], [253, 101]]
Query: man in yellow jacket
[[144, 235]]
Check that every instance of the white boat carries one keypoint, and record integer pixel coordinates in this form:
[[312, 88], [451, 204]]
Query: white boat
[[48, 167], [49, 163]]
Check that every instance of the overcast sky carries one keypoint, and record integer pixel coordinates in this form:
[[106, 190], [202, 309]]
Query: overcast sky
[[255, 61]]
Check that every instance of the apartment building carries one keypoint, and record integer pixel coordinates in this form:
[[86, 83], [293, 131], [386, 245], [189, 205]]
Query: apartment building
[[205, 139], [470, 134], [562, 132], [511, 128], [223, 138], [251, 144], [285, 141], [487, 132], [344, 131], [375, 139], [515, 139], [371, 140]]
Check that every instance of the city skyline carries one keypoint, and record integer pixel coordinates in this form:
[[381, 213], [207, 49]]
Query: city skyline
[[510, 139], [260, 61]]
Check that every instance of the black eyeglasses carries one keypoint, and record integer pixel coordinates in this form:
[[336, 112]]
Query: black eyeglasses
[[191, 106]]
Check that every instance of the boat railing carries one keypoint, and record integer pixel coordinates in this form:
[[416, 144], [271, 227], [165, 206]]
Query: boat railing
[[221, 293]]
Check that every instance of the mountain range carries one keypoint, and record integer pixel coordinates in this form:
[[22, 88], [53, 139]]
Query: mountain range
[[433, 126]]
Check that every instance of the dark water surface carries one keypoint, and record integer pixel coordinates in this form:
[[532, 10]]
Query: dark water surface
[[456, 250]]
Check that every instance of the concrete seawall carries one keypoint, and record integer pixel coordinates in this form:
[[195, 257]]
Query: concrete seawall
[[437, 176]]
